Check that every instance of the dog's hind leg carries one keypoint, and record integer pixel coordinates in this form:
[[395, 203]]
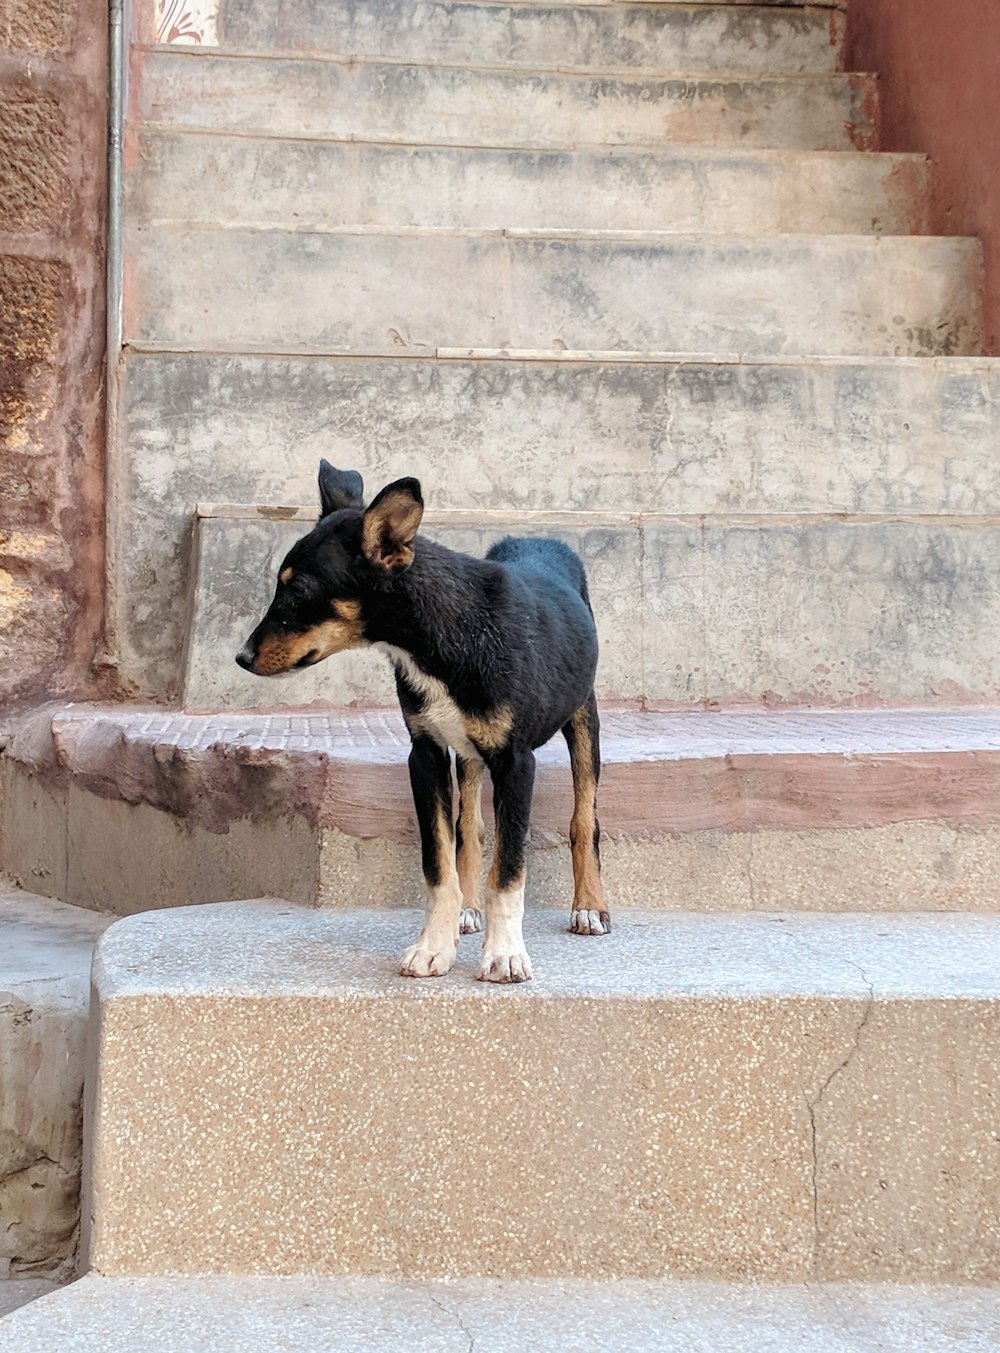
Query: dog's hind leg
[[430, 778], [470, 833], [505, 959], [590, 915]]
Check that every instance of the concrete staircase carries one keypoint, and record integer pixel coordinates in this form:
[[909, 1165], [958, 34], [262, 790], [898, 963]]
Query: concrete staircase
[[636, 275]]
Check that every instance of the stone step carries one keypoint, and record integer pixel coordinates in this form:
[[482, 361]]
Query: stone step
[[477, 106], [229, 180], [44, 1004], [18, 1292], [528, 34], [548, 431], [129, 809], [302, 1315], [759, 296], [720, 610], [760, 1117]]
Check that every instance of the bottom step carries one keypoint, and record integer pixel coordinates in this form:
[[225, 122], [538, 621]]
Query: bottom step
[[787, 1098], [315, 1315]]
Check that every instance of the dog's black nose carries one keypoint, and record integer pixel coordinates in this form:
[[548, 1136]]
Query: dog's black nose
[[245, 658]]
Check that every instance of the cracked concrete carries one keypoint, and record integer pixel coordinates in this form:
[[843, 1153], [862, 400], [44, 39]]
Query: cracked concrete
[[813, 1105], [457, 1317]]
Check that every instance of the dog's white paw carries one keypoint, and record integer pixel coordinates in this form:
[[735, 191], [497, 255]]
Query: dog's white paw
[[470, 921], [421, 961], [505, 967], [582, 922]]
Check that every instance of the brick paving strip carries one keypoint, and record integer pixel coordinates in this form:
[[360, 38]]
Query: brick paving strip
[[663, 772]]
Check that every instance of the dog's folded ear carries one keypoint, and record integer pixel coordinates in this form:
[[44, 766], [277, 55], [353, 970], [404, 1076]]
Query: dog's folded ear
[[389, 527], [339, 488]]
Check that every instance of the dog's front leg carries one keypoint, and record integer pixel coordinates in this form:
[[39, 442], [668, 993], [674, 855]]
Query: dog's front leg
[[430, 778], [505, 959]]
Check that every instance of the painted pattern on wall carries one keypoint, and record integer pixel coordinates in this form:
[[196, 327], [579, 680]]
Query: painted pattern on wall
[[194, 22]]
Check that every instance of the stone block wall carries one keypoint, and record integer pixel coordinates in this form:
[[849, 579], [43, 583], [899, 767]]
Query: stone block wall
[[53, 175]]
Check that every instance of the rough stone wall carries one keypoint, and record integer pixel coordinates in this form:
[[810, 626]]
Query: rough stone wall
[[53, 119], [939, 68]]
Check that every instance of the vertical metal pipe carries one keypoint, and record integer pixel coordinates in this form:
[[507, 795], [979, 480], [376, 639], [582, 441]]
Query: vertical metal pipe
[[116, 120], [117, 55]]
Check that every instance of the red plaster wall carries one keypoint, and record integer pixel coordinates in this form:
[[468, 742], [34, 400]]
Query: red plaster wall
[[53, 137], [939, 63]]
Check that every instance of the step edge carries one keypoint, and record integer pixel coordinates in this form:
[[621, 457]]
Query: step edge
[[585, 517], [680, 151], [633, 147], [710, 239], [644, 75], [568, 356]]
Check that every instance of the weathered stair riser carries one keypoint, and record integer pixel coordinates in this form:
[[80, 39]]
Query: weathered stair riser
[[204, 178], [471, 106], [537, 36], [828, 611], [842, 294], [606, 435]]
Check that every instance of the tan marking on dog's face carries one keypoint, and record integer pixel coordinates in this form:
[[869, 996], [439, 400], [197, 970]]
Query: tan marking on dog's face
[[286, 575], [280, 652], [347, 609]]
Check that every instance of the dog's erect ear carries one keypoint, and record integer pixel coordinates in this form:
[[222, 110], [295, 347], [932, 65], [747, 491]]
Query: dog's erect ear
[[339, 488], [389, 527]]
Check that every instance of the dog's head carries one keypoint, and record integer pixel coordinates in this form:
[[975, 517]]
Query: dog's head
[[326, 578]]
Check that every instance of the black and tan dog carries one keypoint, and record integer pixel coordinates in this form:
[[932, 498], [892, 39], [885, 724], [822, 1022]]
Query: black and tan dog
[[493, 657]]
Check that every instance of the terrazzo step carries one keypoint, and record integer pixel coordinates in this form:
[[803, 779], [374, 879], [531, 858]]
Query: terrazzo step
[[44, 1004], [755, 295], [301, 1315], [530, 35], [721, 610], [776, 1097], [606, 432], [477, 106], [880, 811], [246, 181]]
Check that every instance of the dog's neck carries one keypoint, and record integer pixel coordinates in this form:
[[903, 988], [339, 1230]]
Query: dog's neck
[[425, 617]]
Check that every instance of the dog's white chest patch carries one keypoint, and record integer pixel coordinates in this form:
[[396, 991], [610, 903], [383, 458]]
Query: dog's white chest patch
[[440, 717]]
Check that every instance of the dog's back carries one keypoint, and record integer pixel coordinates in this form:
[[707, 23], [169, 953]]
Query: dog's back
[[542, 555]]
